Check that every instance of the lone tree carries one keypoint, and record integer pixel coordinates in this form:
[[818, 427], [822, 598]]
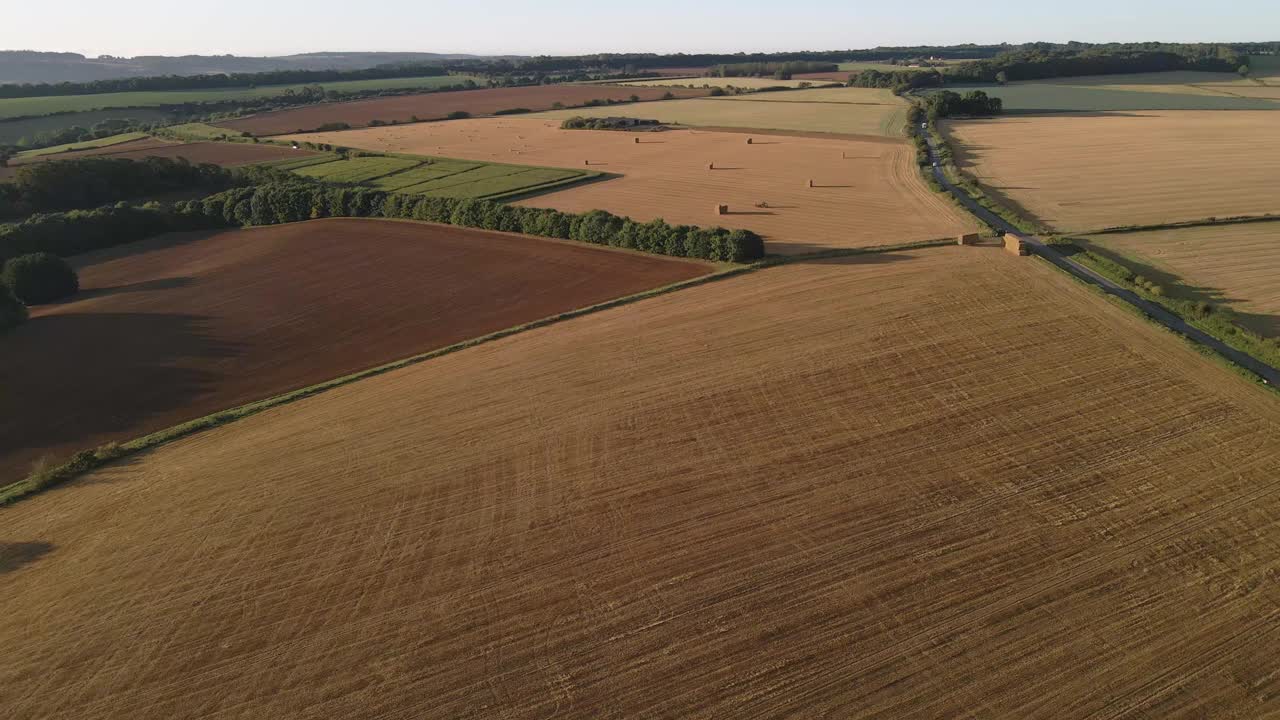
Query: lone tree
[[12, 312], [40, 278], [1002, 77], [1243, 70]]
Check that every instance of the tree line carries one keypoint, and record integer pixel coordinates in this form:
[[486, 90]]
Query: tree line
[[229, 80], [1040, 64], [778, 70], [88, 182], [78, 231], [945, 103]]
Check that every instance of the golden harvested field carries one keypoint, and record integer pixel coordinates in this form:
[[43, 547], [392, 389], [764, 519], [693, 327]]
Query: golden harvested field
[[1236, 265], [1086, 172], [871, 196], [866, 112], [945, 483], [742, 82]]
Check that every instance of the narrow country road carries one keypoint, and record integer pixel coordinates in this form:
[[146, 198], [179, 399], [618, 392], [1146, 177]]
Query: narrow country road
[[1153, 310]]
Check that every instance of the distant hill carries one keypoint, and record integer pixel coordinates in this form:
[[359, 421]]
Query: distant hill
[[24, 66]]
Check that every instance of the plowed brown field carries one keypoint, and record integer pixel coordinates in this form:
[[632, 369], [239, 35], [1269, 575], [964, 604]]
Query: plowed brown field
[[432, 106], [218, 153], [178, 327], [1235, 265], [1086, 172], [945, 483], [866, 193]]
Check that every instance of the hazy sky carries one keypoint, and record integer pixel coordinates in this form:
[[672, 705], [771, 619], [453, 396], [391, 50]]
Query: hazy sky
[[525, 27]]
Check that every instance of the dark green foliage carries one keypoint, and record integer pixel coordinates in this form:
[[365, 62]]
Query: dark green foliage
[[776, 70], [607, 123], [78, 231], [458, 115], [945, 103], [39, 278], [65, 184], [513, 111], [12, 312], [1038, 62]]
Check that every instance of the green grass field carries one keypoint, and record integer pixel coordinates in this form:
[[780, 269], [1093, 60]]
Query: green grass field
[[86, 145], [1058, 97], [21, 107], [11, 131], [751, 83], [198, 132], [443, 177]]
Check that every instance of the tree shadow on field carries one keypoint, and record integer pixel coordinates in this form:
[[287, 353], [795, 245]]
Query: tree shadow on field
[[16, 555], [72, 381], [159, 242], [170, 283]]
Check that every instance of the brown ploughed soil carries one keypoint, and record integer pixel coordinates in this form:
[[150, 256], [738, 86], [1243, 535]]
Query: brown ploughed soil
[[865, 193], [174, 328], [1078, 172], [434, 106], [942, 484]]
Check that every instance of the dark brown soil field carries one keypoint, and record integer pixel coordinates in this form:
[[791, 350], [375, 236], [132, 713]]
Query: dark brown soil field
[[434, 106], [174, 328], [218, 153]]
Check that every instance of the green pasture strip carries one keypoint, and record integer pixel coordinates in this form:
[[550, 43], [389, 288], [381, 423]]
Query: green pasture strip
[[86, 145], [23, 107], [357, 169]]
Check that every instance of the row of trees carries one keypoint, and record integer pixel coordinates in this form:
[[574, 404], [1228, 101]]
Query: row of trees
[[945, 103], [78, 231], [228, 80], [92, 181], [779, 70], [1037, 64]]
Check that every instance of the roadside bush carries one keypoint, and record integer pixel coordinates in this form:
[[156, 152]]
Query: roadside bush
[[12, 312], [458, 115], [39, 278], [513, 111]]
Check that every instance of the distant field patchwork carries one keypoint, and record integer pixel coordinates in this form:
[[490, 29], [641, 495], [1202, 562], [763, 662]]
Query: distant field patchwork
[[1092, 97], [20, 107], [741, 82]]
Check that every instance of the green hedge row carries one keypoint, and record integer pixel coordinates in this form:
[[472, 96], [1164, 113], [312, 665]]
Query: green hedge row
[[81, 231], [280, 203]]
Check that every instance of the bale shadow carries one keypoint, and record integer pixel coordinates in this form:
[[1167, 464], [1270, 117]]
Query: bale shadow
[[17, 555], [750, 212]]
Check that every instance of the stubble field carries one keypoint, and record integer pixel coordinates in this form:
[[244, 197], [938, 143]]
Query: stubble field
[[1080, 173], [435, 106], [174, 328], [866, 193], [841, 111], [871, 486], [1235, 265]]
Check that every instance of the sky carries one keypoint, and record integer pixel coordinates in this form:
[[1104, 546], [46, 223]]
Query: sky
[[564, 27]]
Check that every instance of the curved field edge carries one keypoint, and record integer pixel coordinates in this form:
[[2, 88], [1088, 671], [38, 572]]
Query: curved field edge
[[88, 460]]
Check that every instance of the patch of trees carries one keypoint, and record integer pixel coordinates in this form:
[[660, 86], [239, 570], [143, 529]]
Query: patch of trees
[[39, 278], [86, 182], [1037, 63], [228, 80], [606, 123], [512, 111], [80, 231], [776, 70], [12, 312], [899, 81], [945, 103]]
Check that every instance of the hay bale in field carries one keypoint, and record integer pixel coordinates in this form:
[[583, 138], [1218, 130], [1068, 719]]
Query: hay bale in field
[[637, 140], [748, 141], [722, 209], [1016, 245], [810, 182], [711, 166], [967, 239]]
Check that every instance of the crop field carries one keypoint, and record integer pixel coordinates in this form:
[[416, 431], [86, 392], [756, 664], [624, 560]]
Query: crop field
[[218, 153], [438, 176], [1233, 265], [842, 111], [865, 192], [869, 486], [710, 82], [11, 131], [198, 323], [86, 145], [436, 106], [1045, 97], [22, 107], [1081, 173]]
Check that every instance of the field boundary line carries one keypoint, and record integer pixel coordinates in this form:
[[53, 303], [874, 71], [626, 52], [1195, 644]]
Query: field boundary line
[[1203, 222], [86, 461]]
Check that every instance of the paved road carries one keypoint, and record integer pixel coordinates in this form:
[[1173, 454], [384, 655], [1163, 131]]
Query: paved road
[[1153, 310]]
